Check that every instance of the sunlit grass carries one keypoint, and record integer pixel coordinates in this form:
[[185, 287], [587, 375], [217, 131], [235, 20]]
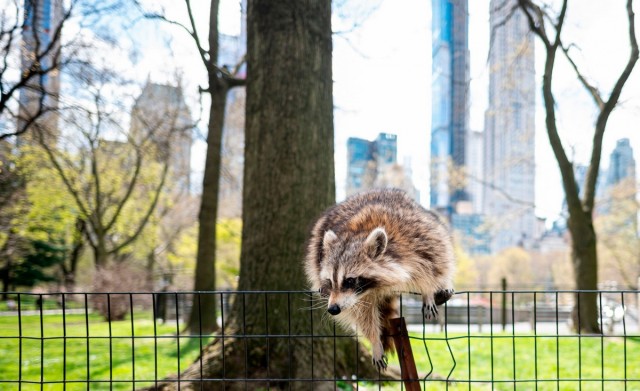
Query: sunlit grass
[[533, 362], [110, 353]]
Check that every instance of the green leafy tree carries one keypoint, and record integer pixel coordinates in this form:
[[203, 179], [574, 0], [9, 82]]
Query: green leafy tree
[[113, 178], [37, 266]]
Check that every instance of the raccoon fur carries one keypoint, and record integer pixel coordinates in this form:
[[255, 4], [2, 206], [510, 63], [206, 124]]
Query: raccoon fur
[[364, 251]]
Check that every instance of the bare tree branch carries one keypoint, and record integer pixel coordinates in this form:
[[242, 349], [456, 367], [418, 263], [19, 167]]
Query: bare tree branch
[[595, 94], [605, 112], [143, 223], [535, 16]]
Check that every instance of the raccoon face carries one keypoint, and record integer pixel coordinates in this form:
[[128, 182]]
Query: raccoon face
[[344, 273]]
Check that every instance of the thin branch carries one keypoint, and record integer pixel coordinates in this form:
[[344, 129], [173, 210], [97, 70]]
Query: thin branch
[[66, 180], [595, 94], [131, 186], [501, 23], [560, 24], [501, 191], [535, 24], [206, 56], [150, 210], [605, 112]]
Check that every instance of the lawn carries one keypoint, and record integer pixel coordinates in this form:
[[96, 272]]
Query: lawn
[[111, 353], [534, 362]]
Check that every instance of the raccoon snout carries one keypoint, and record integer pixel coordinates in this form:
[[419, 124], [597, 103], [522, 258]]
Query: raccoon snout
[[334, 309]]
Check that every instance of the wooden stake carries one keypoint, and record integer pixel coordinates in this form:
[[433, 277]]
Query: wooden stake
[[408, 369]]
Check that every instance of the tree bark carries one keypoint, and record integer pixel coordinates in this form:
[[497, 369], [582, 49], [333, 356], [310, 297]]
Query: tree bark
[[288, 177], [100, 255], [203, 314], [69, 271], [288, 182], [584, 257]]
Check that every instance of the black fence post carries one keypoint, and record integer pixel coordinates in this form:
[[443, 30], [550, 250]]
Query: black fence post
[[503, 306]]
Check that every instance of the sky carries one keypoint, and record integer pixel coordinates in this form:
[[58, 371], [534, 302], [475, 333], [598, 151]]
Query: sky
[[384, 86], [382, 81]]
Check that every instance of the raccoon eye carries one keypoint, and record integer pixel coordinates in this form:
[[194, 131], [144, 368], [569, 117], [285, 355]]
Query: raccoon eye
[[349, 283], [325, 289]]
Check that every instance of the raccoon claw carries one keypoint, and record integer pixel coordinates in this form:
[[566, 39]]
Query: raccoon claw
[[430, 311], [443, 296], [381, 363]]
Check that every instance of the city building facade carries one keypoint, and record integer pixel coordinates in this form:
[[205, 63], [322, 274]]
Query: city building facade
[[366, 160], [450, 102], [160, 112], [40, 48], [509, 135], [622, 164]]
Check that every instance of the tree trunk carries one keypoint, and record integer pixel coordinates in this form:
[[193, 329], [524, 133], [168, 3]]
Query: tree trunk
[[4, 276], [288, 181], [203, 314], [585, 266], [69, 272], [100, 255], [288, 178]]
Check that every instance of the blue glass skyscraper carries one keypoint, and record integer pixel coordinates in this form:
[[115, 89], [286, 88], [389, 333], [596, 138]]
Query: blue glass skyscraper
[[450, 103], [366, 158], [41, 50]]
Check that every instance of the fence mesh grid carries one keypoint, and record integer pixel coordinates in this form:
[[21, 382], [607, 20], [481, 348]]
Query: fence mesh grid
[[481, 340]]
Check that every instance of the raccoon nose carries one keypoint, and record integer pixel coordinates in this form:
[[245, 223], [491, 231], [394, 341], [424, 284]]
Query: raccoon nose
[[334, 309]]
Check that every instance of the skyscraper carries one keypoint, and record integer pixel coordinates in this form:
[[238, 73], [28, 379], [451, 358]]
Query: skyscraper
[[509, 168], [161, 113], [450, 103], [365, 159], [41, 50], [622, 165]]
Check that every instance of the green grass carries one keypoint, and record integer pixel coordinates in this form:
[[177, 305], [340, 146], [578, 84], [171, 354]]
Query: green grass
[[526, 358], [76, 358], [523, 358], [49, 302]]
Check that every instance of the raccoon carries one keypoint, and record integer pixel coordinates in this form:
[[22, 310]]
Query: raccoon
[[364, 251]]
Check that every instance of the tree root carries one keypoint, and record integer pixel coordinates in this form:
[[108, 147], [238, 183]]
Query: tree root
[[244, 365]]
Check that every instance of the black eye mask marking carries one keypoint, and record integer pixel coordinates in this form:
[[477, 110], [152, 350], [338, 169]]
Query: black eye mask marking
[[348, 284], [363, 284]]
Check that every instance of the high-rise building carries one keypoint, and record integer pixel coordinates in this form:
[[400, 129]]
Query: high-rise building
[[450, 102], [367, 159], [474, 173], [509, 136], [622, 165], [161, 113], [41, 49]]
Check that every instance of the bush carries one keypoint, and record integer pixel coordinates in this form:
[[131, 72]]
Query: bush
[[122, 279]]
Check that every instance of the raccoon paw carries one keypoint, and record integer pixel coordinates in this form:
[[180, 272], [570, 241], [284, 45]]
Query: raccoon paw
[[443, 296], [380, 363], [430, 310]]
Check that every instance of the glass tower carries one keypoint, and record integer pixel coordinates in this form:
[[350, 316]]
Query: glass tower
[[450, 103]]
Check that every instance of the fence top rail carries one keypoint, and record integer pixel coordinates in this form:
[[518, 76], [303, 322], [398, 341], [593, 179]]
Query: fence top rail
[[249, 292]]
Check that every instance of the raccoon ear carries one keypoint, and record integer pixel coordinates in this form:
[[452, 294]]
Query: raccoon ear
[[329, 237], [376, 243]]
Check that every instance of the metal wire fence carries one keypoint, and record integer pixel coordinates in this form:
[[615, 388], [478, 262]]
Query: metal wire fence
[[481, 340]]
